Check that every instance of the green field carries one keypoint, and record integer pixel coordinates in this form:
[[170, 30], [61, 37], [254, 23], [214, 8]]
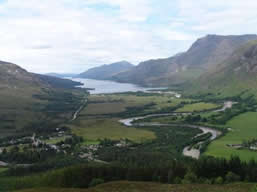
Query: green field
[[2, 169], [93, 129], [93, 122], [115, 103], [125, 186], [196, 107], [244, 127], [104, 108]]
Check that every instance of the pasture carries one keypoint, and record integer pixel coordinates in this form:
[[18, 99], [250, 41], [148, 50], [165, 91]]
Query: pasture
[[197, 107], [244, 127], [94, 129]]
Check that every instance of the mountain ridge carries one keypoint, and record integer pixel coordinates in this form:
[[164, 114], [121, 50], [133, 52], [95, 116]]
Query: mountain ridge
[[107, 71], [235, 75], [205, 53]]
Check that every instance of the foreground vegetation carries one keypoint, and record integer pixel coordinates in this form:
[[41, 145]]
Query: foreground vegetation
[[124, 186], [204, 171]]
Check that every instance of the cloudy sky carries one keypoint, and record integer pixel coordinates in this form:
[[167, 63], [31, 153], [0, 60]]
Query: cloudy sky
[[74, 35]]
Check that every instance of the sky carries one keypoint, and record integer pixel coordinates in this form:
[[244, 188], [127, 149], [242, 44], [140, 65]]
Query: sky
[[71, 36]]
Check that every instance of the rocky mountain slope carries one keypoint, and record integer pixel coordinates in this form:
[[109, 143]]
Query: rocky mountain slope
[[106, 72], [204, 54], [235, 75]]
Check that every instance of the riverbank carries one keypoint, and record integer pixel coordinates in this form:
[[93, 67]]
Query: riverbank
[[188, 150]]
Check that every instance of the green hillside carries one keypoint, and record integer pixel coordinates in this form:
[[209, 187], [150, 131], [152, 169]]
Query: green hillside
[[29, 101]]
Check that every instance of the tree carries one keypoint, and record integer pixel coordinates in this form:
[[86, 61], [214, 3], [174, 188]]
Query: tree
[[232, 177], [219, 180], [170, 176], [190, 177], [95, 182]]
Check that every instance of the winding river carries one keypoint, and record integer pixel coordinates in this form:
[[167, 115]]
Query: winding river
[[187, 151]]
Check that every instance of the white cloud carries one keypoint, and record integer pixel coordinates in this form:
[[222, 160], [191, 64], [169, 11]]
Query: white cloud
[[219, 16], [130, 10], [175, 35], [62, 38], [73, 35]]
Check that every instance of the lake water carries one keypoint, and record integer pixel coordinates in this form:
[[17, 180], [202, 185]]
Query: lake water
[[102, 87]]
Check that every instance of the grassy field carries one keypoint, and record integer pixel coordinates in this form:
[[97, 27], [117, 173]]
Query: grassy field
[[115, 103], [104, 108], [196, 107], [2, 169], [154, 187], [244, 128], [94, 128]]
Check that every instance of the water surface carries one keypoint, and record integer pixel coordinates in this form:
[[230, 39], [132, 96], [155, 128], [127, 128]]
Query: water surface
[[103, 86]]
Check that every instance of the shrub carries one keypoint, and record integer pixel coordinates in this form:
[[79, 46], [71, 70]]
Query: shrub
[[95, 182], [190, 177], [232, 177], [177, 180], [219, 180]]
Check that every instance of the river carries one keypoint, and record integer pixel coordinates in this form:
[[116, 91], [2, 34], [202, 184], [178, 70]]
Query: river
[[187, 151]]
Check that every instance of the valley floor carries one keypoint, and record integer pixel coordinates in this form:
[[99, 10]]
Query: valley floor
[[242, 128]]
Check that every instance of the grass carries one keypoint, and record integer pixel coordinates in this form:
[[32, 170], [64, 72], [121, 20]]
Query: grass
[[116, 103], [92, 127], [104, 108], [124, 186], [99, 128], [197, 107], [2, 169], [244, 128]]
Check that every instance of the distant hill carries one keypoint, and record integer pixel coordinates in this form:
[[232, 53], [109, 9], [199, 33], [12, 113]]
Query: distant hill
[[205, 53], [57, 82], [30, 101], [236, 74], [106, 72]]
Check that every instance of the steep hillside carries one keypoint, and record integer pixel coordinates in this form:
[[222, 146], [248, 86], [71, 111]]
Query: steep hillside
[[204, 54], [233, 76], [27, 100], [106, 72]]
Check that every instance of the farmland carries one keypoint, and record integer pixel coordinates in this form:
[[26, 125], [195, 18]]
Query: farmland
[[243, 127], [95, 129], [99, 119], [196, 107]]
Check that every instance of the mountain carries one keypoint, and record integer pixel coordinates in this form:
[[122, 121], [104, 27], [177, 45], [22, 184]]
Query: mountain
[[205, 53], [106, 72], [30, 101], [61, 75], [235, 75], [57, 82]]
